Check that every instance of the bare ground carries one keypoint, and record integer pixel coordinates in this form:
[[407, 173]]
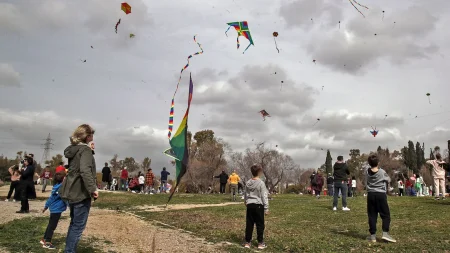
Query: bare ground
[[181, 206]]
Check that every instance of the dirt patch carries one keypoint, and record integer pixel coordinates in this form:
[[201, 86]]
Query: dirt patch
[[162, 208]]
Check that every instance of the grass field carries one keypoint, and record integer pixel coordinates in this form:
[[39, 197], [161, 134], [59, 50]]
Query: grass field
[[305, 224]]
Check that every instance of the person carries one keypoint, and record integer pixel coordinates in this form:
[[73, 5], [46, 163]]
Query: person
[[223, 179], [318, 184], [106, 173], [257, 202], [418, 185], [60, 167], [141, 179], [56, 206], [353, 186], [234, 181], [149, 181], [164, 177], [45, 177], [400, 187], [15, 183], [80, 185], [123, 179], [438, 176], [377, 181], [26, 185], [134, 185], [408, 185], [240, 187], [312, 182], [340, 175], [330, 185]]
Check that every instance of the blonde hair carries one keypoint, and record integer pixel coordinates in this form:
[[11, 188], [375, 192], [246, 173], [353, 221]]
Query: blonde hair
[[81, 134]]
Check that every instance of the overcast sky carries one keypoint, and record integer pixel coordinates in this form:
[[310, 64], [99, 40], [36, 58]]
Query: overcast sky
[[125, 86]]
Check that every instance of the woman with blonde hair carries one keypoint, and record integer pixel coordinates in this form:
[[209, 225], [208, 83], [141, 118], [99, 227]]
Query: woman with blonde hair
[[80, 185]]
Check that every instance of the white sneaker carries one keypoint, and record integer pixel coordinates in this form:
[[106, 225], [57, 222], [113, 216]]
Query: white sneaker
[[345, 209], [14, 200], [6, 200], [334, 209]]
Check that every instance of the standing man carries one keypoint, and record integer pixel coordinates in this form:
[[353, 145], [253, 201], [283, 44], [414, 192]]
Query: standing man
[[164, 176], [26, 185], [330, 185], [223, 179], [124, 179], [234, 181], [341, 174], [149, 181], [106, 175], [45, 177]]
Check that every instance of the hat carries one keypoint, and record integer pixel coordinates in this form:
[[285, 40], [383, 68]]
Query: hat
[[60, 169]]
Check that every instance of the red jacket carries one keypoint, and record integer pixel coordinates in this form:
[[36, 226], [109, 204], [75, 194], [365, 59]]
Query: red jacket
[[124, 174], [46, 174], [408, 183]]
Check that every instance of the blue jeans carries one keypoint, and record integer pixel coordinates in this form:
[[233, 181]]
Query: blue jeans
[[340, 185], [79, 213]]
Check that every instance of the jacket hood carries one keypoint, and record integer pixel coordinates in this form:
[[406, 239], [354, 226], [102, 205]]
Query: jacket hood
[[340, 165], [233, 174], [56, 187], [72, 150], [254, 183]]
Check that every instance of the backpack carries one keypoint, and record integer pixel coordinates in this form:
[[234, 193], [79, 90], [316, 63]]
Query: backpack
[[314, 181]]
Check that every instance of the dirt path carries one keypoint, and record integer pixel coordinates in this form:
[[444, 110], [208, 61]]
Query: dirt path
[[163, 208], [119, 232]]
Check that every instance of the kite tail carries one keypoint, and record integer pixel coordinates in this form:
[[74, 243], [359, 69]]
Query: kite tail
[[247, 48], [360, 4], [276, 46], [237, 41], [227, 30], [357, 8], [172, 107]]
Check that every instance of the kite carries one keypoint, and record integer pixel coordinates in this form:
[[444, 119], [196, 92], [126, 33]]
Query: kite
[[126, 8], [179, 79], [264, 114], [428, 95], [354, 1], [131, 35], [316, 121], [393, 25], [117, 24], [179, 144], [275, 34], [242, 30], [382, 17], [339, 24], [314, 61], [374, 132], [385, 116], [92, 47], [322, 87], [312, 21], [281, 85]]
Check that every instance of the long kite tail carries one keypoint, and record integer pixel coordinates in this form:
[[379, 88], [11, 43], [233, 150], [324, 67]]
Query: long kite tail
[[276, 46], [227, 30], [117, 24], [357, 8], [172, 106], [360, 4]]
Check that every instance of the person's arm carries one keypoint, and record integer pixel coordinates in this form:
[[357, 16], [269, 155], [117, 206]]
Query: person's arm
[[86, 170], [347, 170], [265, 198], [10, 170], [217, 176]]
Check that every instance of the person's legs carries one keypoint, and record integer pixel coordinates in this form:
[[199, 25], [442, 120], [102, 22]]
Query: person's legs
[[372, 213], [344, 195], [12, 187], [44, 184], [354, 191], [260, 226], [337, 187], [249, 223], [436, 187], [442, 185], [383, 209], [24, 197], [52, 224], [79, 213], [222, 188]]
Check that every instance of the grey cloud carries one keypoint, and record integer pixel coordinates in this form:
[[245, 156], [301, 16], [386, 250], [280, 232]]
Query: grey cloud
[[8, 76]]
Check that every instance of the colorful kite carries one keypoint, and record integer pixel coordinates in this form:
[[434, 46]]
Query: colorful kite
[[242, 30], [354, 1], [428, 95], [126, 8], [179, 79], [117, 24], [275, 34], [264, 114], [131, 35], [374, 132]]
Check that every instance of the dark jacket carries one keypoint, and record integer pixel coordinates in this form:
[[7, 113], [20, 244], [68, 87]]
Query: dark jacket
[[330, 180], [26, 182], [80, 182], [106, 171], [341, 172], [319, 185], [223, 177], [164, 175]]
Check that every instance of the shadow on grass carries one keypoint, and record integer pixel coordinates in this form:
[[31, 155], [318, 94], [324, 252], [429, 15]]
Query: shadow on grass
[[350, 233]]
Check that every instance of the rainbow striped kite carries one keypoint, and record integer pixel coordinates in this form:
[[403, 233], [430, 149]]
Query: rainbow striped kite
[[242, 30]]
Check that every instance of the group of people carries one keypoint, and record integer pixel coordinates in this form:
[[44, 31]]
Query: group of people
[[233, 180]]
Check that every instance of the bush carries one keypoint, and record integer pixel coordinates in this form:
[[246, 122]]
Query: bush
[[293, 189]]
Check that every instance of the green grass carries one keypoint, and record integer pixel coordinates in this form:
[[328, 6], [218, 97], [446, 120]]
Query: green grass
[[24, 235], [304, 224], [127, 200]]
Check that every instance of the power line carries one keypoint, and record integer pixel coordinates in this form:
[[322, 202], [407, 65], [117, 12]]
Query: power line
[[47, 147]]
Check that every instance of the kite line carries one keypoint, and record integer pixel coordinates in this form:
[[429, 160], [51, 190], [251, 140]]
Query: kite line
[[179, 79]]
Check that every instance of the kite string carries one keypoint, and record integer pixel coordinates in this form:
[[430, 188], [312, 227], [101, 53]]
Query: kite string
[[276, 46], [357, 8], [179, 79], [360, 4]]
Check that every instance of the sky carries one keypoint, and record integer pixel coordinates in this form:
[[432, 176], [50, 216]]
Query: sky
[[62, 65]]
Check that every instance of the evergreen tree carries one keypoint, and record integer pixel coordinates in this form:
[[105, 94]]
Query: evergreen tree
[[387, 153], [328, 163], [379, 151], [419, 160], [431, 154], [413, 156]]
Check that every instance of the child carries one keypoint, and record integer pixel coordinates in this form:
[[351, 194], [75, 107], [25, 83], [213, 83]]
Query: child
[[376, 182], [141, 182], [56, 206], [257, 204]]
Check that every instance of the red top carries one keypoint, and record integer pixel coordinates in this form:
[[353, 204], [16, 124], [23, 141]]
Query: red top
[[60, 168], [46, 175], [124, 174], [408, 183]]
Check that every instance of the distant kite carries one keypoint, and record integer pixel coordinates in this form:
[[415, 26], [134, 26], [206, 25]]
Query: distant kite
[[264, 114], [316, 121], [131, 35], [428, 95], [126, 8], [275, 34], [374, 132], [242, 30]]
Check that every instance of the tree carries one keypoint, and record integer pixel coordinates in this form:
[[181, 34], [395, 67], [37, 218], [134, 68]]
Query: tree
[[380, 150], [116, 164], [204, 136], [432, 154], [146, 163], [387, 153], [410, 157], [131, 164], [54, 162], [419, 160], [329, 163]]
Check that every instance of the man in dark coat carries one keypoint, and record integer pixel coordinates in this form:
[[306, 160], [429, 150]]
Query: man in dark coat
[[223, 178], [26, 185], [106, 176]]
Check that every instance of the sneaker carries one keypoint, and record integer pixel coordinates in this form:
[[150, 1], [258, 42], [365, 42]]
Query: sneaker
[[42, 241], [6, 200], [317, 197], [388, 237], [345, 209], [14, 200], [247, 245], [22, 211], [437, 198], [48, 245], [372, 238], [262, 246], [334, 208]]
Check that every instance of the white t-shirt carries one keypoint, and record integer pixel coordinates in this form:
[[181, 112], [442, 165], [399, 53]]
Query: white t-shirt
[[400, 184], [353, 183], [141, 179]]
